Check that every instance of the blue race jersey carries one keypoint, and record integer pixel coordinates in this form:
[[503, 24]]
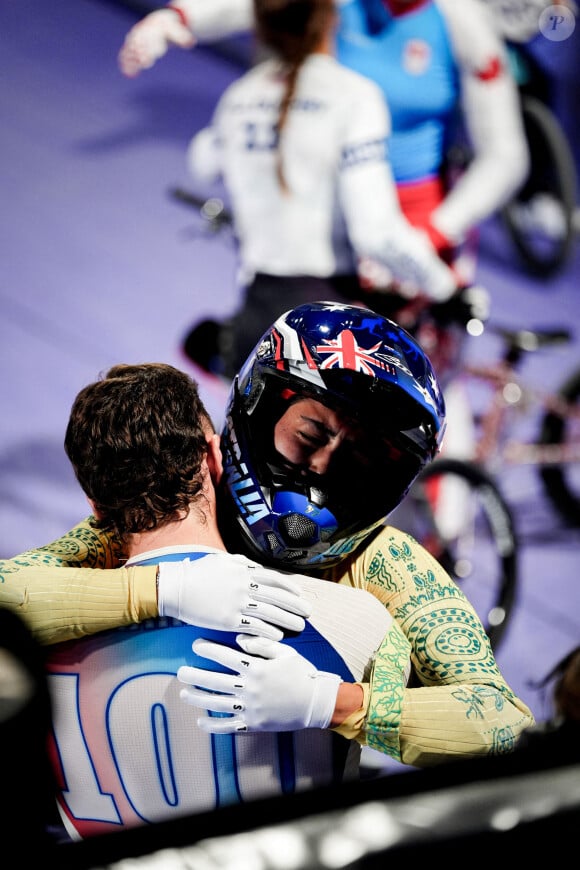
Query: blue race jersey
[[409, 56], [127, 750]]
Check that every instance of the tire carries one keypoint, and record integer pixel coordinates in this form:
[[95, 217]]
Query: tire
[[562, 482], [481, 556], [552, 177]]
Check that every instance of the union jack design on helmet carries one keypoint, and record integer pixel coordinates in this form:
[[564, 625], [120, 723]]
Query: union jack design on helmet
[[345, 353]]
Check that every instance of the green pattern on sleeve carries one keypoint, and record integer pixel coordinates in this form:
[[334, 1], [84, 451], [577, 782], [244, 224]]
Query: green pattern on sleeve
[[81, 547], [388, 680], [457, 703]]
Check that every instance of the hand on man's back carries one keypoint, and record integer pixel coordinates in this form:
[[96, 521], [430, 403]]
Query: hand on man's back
[[231, 593]]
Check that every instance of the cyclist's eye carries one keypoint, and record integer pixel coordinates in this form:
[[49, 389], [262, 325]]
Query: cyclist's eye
[[310, 439]]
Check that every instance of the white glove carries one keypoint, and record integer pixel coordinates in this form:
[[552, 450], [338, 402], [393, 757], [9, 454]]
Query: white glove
[[230, 593], [274, 688], [150, 38]]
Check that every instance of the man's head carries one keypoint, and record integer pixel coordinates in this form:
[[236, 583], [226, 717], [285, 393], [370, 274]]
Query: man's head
[[138, 440], [330, 420]]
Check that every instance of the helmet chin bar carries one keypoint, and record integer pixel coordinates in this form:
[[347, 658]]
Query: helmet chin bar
[[296, 541], [301, 522], [297, 529]]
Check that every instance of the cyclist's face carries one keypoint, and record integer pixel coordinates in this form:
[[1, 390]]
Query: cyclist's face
[[309, 435]]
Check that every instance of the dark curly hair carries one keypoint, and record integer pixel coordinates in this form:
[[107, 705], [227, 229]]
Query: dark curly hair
[[136, 439]]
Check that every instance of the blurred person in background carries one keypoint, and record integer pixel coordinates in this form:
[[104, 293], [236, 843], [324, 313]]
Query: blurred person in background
[[557, 737], [528, 29], [437, 63], [300, 143], [444, 72]]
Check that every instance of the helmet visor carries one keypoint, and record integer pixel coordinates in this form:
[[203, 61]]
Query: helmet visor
[[357, 469]]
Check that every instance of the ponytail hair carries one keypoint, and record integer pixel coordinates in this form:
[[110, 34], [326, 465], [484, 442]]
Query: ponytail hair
[[293, 29]]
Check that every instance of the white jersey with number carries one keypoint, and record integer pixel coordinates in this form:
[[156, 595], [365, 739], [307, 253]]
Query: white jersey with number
[[341, 203], [127, 751]]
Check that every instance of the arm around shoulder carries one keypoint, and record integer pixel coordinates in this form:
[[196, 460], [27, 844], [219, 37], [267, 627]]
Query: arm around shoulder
[[62, 592]]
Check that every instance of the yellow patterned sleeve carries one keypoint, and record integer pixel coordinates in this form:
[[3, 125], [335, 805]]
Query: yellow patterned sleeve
[[457, 704], [73, 586]]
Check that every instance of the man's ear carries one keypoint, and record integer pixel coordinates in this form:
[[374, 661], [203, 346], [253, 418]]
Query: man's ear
[[214, 458]]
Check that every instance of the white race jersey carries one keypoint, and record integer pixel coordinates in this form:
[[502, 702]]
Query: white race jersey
[[467, 49], [127, 750], [341, 203]]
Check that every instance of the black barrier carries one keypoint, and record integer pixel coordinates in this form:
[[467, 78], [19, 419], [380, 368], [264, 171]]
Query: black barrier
[[516, 800]]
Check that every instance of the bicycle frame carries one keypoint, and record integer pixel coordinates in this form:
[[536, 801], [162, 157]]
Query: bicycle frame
[[509, 393]]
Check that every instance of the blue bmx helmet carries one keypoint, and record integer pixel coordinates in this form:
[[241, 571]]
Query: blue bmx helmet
[[329, 422]]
